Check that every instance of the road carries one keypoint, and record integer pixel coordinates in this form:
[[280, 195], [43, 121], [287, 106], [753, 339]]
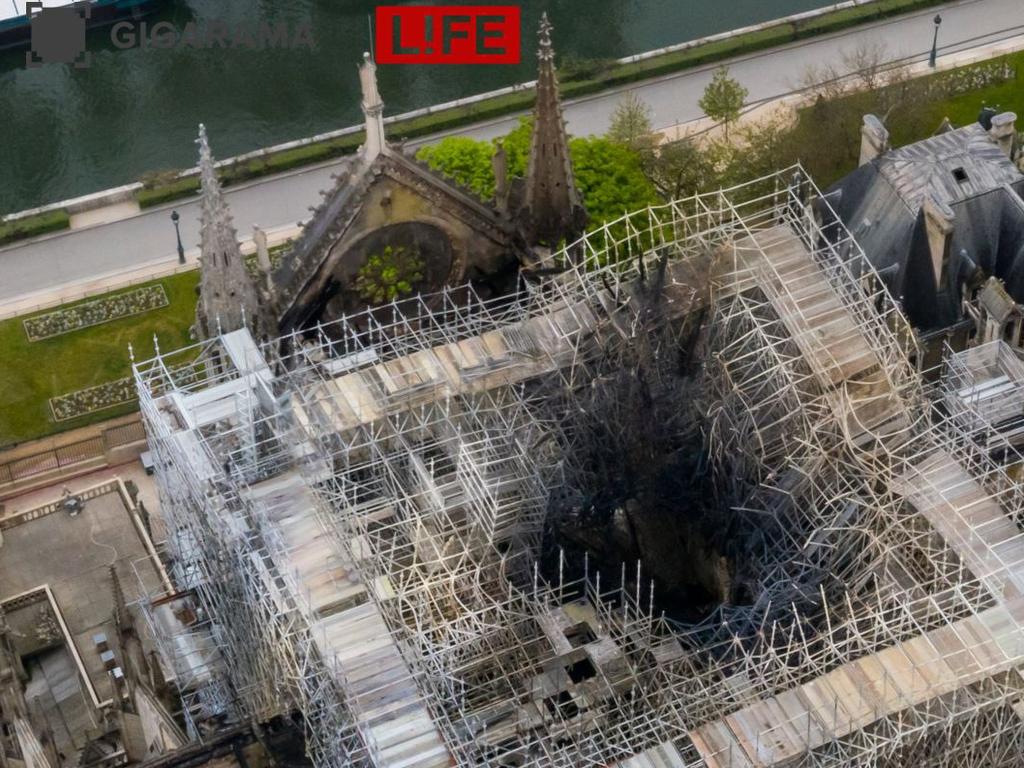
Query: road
[[148, 238]]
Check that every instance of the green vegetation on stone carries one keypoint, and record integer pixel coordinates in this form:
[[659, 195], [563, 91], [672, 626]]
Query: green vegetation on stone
[[33, 372], [33, 226], [389, 275]]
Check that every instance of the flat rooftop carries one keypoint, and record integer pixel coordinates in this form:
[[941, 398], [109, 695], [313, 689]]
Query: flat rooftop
[[47, 558]]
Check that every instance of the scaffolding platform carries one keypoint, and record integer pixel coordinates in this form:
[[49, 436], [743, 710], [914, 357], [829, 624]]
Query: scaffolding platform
[[357, 513]]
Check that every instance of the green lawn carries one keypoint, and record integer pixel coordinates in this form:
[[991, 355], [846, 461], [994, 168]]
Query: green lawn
[[826, 136], [963, 109], [32, 373]]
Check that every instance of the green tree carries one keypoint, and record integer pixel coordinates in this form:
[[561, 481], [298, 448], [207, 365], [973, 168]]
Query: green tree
[[517, 147], [464, 160], [765, 146], [610, 178], [631, 125], [389, 275], [682, 168], [723, 98], [610, 175]]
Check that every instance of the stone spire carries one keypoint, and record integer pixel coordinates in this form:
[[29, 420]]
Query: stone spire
[[552, 207], [227, 297], [373, 109]]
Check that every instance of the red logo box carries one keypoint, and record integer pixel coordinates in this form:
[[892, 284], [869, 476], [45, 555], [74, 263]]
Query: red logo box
[[448, 34]]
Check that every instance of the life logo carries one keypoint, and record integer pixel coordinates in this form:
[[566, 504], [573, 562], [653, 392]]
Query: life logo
[[448, 34]]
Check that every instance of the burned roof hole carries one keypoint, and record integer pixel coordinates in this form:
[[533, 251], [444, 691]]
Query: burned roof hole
[[580, 634], [581, 670], [562, 704]]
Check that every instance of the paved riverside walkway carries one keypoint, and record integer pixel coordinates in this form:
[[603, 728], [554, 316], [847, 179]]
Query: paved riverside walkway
[[147, 239]]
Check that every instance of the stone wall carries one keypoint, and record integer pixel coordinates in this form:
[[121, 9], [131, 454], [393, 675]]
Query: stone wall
[[77, 452]]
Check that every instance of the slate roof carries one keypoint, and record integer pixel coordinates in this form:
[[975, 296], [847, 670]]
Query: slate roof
[[951, 166], [881, 204]]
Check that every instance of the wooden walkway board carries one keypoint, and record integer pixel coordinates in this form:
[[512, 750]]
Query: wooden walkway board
[[854, 695], [349, 631], [850, 697], [806, 303], [662, 756], [499, 357], [973, 524], [470, 365]]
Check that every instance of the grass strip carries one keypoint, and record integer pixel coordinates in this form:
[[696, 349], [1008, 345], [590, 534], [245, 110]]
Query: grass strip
[[33, 372], [33, 226]]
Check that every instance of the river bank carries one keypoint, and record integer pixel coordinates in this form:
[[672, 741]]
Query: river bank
[[578, 80]]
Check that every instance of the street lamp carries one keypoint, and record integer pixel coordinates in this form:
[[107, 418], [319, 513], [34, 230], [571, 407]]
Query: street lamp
[[177, 230], [935, 42]]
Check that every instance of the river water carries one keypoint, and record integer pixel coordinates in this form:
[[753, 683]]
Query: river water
[[67, 132]]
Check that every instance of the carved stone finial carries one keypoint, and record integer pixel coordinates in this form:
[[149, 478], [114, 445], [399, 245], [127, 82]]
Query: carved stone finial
[[545, 50], [499, 163]]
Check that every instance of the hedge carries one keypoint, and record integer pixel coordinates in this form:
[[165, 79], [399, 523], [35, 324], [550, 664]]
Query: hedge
[[574, 84], [254, 168], [33, 226], [147, 197], [90, 313]]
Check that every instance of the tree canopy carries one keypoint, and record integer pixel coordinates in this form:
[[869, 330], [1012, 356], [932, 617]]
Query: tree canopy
[[609, 175], [464, 160], [723, 98], [631, 124], [610, 178]]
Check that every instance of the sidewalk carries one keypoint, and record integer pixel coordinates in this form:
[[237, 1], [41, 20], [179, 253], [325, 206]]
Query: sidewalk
[[787, 104], [167, 265]]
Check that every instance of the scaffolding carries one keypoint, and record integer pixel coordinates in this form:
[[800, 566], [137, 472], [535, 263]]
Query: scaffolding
[[983, 391], [355, 516]]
